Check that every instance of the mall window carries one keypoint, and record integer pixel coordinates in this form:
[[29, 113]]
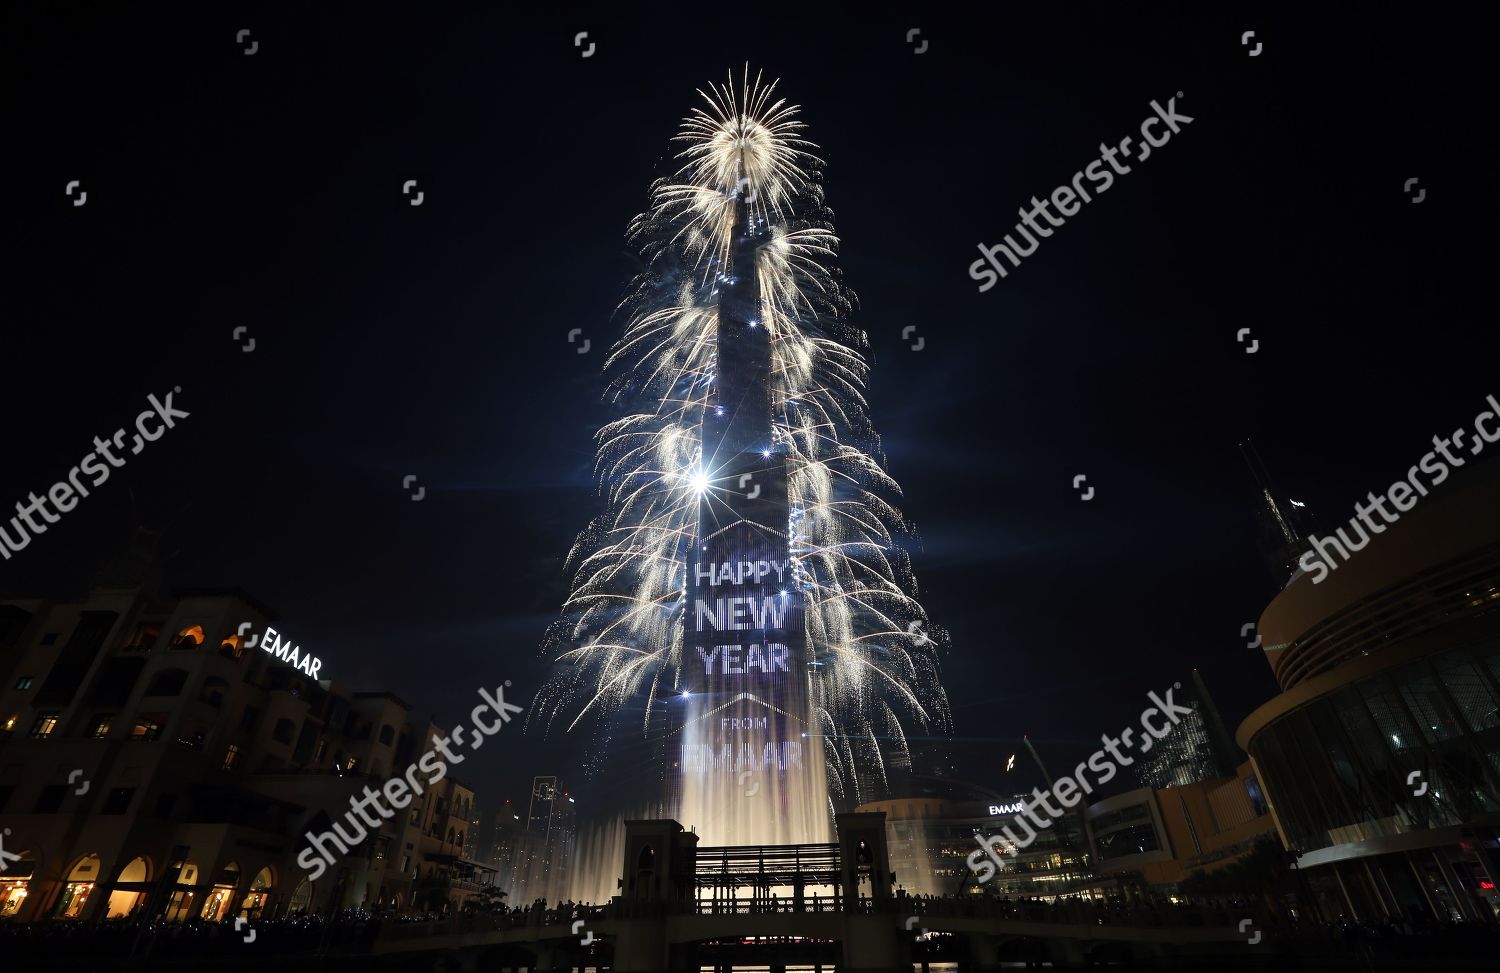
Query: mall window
[[44, 725], [1133, 840], [230, 756], [387, 734], [9, 724], [118, 800], [1257, 799], [24, 682], [283, 731], [249, 718], [99, 729]]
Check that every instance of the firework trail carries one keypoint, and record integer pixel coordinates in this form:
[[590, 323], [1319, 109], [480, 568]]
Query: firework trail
[[620, 639]]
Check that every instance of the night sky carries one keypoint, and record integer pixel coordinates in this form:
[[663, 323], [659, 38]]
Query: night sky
[[265, 191]]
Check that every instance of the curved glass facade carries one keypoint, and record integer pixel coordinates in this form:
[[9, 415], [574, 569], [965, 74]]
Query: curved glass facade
[[1352, 764]]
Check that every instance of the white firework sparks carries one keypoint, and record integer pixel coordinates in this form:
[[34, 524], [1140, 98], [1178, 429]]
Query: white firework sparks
[[874, 653]]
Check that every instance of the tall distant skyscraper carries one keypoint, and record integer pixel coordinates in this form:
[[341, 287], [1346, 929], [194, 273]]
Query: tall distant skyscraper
[[1198, 748], [751, 757], [545, 852], [742, 631], [1281, 521]]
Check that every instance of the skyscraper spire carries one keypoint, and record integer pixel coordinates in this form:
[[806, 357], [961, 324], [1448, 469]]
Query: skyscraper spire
[[1281, 532]]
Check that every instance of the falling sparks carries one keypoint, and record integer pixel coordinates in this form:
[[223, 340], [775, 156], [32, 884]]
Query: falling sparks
[[875, 675]]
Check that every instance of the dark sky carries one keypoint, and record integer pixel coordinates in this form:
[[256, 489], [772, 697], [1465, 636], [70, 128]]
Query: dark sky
[[264, 191]]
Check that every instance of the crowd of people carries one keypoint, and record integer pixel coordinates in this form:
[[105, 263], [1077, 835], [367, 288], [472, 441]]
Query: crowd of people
[[355, 929]]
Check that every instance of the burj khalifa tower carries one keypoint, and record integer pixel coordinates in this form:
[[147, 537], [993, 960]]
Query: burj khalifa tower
[[750, 755]]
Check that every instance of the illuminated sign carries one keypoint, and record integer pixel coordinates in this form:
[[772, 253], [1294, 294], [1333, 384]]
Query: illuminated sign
[[743, 673], [288, 653], [1015, 808]]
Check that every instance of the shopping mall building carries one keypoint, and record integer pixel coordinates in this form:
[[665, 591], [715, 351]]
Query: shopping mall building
[[1380, 757]]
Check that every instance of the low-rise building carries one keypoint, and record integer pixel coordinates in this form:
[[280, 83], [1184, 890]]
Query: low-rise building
[[156, 757]]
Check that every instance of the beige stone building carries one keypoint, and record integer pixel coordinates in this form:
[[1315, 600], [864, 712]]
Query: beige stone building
[[153, 760]]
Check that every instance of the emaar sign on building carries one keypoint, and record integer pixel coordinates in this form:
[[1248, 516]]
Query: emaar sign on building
[[288, 653]]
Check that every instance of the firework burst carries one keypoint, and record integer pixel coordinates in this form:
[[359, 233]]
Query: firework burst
[[620, 639]]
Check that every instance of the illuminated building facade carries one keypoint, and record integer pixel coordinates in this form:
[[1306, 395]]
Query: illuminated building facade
[[1197, 749], [542, 855], [197, 762], [931, 834], [750, 756], [1166, 834], [1380, 757]]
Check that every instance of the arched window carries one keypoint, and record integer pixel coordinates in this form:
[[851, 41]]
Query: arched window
[[232, 647], [302, 897], [80, 885], [130, 889], [167, 682], [283, 731], [189, 638], [387, 734], [450, 836], [260, 893]]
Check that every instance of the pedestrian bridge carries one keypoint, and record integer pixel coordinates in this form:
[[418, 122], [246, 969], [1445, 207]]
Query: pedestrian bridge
[[686, 908]]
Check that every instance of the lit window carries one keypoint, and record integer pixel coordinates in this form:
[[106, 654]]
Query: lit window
[[10, 724], [189, 638], [44, 725], [230, 756], [101, 727], [146, 729], [24, 682]]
